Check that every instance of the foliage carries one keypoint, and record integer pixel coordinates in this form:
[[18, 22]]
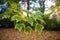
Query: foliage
[[51, 24], [39, 28], [12, 9], [57, 2], [58, 17], [27, 30], [19, 26], [17, 18], [53, 8], [54, 22], [6, 23], [27, 22], [14, 13]]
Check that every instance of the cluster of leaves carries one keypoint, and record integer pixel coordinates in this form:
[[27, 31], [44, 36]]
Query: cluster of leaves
[[13, 8], [51, 24], [54, 22], [26, 23], [14, 13]]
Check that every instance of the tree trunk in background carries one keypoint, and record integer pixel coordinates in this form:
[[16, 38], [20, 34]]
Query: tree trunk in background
[[42, 6], [57, 2], [28, 7]]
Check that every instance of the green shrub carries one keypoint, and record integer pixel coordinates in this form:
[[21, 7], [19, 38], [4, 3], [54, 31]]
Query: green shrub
[[6, 23], [27, 23], [14, 13], [13, 8], [51, 24]]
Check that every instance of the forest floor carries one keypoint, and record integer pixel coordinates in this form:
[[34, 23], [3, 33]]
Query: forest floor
[[12, 34]]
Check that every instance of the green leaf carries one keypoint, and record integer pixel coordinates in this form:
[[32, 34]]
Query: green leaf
[[17, 18], [25, 11], [38, 14], [34, 17], [42, 21], [39, 28], [6, 16], [28, 30], [29, 20], [19, 26]]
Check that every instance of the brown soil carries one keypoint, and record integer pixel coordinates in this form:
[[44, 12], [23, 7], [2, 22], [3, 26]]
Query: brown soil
[[12, 34]]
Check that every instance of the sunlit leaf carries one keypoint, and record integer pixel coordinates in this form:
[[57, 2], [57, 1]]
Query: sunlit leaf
[[39, 13], [42, 21], [29, 20], [6, 16], [34, 17], [19, 26], [28, 30], [17, 18], [39, 28]]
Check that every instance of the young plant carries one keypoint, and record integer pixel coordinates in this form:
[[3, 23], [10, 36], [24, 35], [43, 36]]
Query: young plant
[[27, 23], [14, 12]]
